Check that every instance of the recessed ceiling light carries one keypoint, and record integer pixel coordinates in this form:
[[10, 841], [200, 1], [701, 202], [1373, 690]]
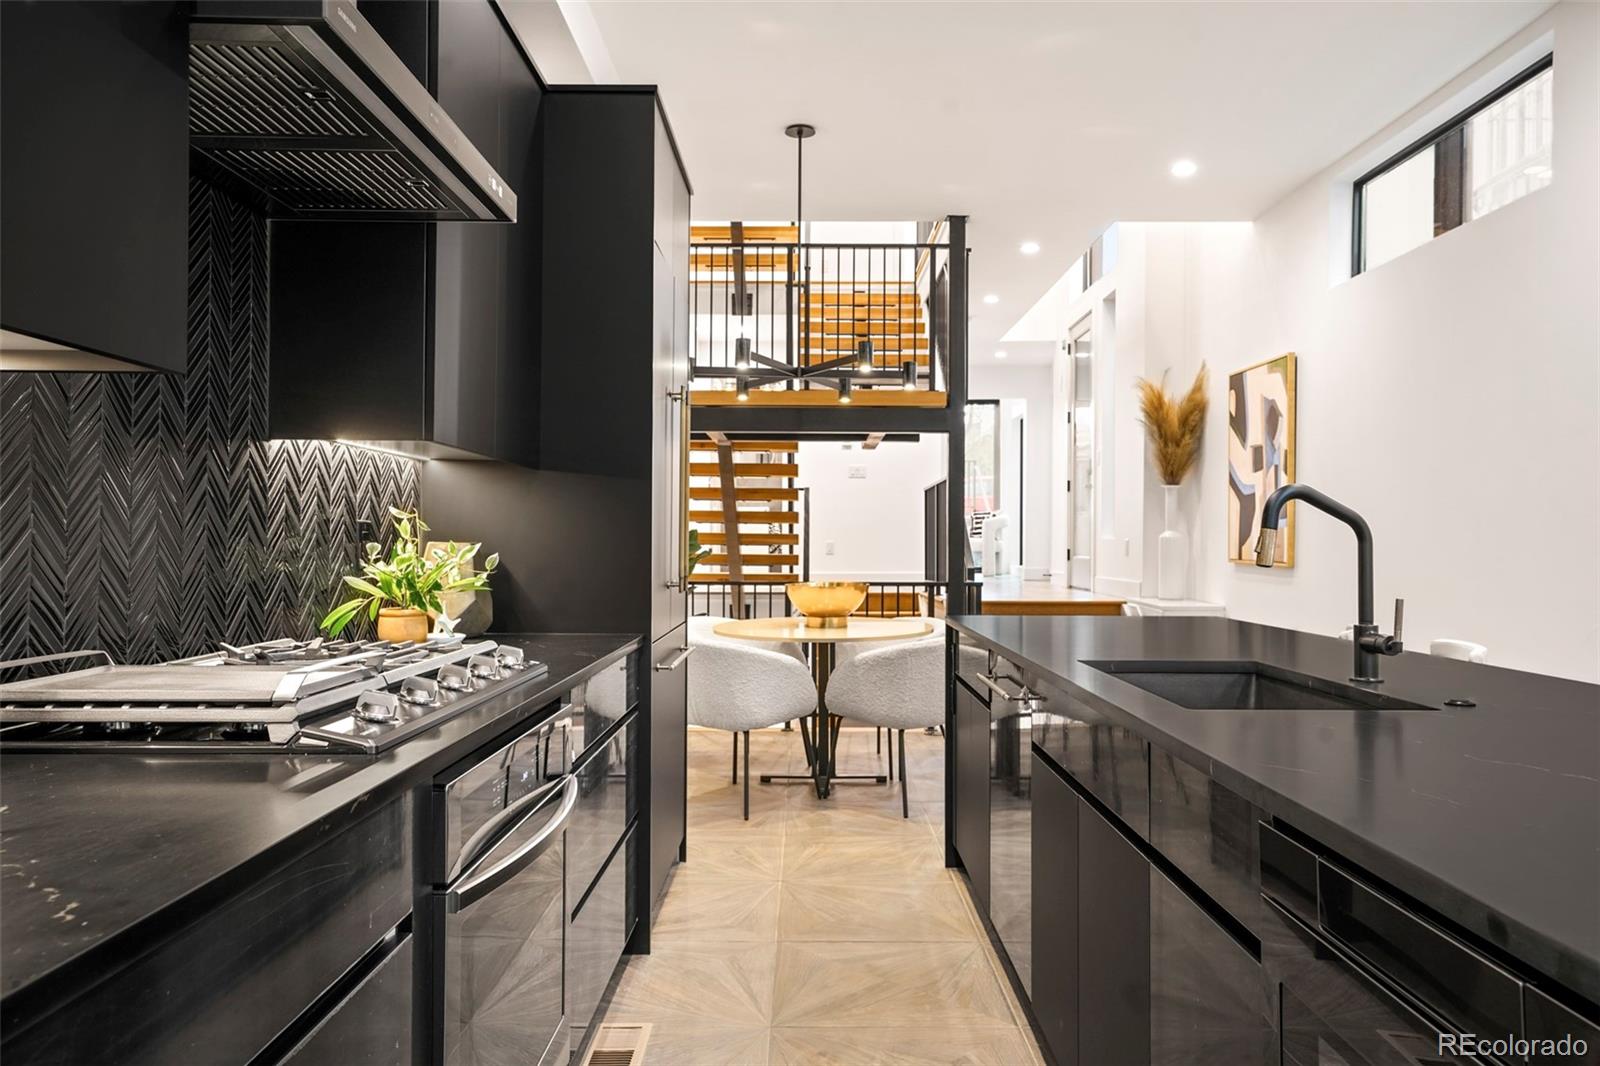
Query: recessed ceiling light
[[991, 298], [1029, 248], [1000, 355], [1184, 168]]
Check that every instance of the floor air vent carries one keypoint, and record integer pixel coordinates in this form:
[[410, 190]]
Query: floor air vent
[[618, 1045]]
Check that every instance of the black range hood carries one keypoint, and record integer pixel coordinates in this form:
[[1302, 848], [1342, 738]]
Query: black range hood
[[303, 101]]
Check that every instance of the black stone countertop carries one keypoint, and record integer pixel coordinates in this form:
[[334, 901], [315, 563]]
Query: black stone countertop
[[1490, 815], [103, 854]]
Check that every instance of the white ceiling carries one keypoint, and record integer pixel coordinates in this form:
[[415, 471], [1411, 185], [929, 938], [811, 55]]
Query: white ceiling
[[1041, 121]]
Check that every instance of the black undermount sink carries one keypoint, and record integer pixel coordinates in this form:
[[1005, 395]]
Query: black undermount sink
[[1244, 686]]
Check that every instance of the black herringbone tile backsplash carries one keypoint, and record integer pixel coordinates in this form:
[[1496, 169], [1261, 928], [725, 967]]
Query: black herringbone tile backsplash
[[147, 515]]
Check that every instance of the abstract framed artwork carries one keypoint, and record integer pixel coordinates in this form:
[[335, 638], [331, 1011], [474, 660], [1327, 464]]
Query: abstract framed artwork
[[1260, 453]]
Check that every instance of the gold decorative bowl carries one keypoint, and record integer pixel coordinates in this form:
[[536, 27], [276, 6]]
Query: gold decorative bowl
[[827, 604]]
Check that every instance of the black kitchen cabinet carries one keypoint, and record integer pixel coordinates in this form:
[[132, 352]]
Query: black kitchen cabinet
[[369, 1027], [1208, 832], [1010, 834], [1113, 945], [1111, 762], [423, 336], [1054, 932], [94, 184], [972, 759], [1209, 1000], [668, 758]]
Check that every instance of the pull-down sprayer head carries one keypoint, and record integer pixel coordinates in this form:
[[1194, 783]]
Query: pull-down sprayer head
[[1266, 546]]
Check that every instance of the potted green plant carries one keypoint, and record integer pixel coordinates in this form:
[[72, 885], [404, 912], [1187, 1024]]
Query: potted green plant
[[696, 553], [401, 592]]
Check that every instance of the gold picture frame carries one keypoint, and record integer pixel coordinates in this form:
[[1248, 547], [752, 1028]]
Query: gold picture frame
[[1261, 453]]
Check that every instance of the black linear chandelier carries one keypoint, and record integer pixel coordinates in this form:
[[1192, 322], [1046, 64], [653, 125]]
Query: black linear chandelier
[[752, 368]]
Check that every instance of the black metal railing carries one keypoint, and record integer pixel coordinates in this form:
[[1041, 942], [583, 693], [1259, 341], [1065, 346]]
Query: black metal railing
[[769, 599], [809, 316]]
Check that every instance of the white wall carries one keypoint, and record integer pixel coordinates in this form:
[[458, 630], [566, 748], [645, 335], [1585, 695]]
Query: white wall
[[1451, 395], [1031, 387], [874, 522]]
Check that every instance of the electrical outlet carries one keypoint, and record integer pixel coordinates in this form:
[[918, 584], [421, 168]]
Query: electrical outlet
[[858, 473], [827, 547], [365, 531]]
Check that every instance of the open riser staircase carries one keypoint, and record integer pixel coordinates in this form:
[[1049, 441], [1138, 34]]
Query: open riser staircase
[[745, 506]]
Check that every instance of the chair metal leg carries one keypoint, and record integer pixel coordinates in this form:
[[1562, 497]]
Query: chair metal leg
[[877, 732], [805, 742], [905, 797], [736, 758], [891, 755], [746, 774]]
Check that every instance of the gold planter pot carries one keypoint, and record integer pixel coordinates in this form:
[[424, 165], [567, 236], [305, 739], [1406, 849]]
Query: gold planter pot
[[403, 625]]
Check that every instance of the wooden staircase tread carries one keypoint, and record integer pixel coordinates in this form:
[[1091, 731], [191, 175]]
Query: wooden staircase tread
[[752, 234], [750, 559], [721, 578], [765, 540], [755, 518], [746, 470], [746, 493]]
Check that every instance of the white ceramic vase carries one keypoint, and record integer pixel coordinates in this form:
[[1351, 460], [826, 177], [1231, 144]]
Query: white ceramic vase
[[1172, 553]]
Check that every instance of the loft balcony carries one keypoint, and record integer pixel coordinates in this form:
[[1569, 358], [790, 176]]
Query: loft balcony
[[781, 323]]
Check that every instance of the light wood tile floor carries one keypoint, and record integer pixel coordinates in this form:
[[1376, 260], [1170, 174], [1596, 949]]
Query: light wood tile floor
[[821, 931]]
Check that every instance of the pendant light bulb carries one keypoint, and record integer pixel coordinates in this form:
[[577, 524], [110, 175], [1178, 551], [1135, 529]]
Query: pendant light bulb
[[908, 374], [742, 391], [741, 353], [844, 390], [864, 355]]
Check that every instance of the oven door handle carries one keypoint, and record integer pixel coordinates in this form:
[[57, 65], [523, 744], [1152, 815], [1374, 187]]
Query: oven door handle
[[475, 885]]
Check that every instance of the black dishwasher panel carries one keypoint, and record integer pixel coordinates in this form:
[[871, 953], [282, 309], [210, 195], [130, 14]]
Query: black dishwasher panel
[[607, 800]]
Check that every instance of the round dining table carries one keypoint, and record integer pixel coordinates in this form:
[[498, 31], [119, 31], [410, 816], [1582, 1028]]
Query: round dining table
[[821, 743]]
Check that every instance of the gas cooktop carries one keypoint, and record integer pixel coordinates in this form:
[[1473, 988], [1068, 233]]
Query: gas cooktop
[[301, 695]]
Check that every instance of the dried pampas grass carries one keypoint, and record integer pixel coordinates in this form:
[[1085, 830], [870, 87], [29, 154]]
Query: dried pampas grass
[[1174, 426]]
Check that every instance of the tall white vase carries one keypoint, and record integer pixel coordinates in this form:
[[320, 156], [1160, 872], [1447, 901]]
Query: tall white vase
[[1172, 553]]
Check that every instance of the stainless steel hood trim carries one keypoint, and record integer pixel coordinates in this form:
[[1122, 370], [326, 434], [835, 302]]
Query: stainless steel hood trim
[[344, 49]]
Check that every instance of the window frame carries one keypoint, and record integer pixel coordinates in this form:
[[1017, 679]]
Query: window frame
[[1448, 137]]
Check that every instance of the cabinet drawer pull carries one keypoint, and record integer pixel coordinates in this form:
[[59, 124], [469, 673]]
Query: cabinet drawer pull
[[1024, 696], [677, 660]]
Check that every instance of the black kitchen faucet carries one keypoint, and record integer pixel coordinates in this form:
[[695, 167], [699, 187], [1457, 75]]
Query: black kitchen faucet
[[1369, 643]]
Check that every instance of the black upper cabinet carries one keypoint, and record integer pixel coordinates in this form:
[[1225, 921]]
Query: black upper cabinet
[[614, 329], [423, 336], [94, 176]]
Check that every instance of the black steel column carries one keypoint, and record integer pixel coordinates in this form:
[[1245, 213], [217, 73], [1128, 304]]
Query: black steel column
[[955, 496], [955, 413]]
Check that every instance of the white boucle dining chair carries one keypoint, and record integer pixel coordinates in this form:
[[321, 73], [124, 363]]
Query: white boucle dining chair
[[739, 686], [897, 686]]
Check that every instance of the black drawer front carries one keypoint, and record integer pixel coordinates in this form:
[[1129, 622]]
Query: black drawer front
[[1465, 988], [275, 947], [1207, 831], [1288, 873], [1109, 761], [371, 1026], [594, 944], [607, 781], [602, 702], [1333, 1014], [1577, 1039]]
